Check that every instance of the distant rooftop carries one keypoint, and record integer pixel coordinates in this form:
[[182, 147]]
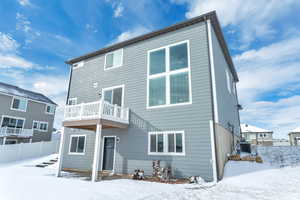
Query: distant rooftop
[[16, 91], [296, 130], [246, 128]]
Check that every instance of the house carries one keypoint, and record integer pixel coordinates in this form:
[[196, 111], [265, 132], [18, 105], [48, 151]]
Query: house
[[256, 135], [168, 95], [25, 116], [294, 137]]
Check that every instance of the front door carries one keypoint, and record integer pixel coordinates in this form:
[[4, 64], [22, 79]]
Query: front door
[[109, 153]]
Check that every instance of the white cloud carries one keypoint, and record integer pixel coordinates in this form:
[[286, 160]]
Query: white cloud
[[271, 70], [24, 2], [118, 12], [131, 33], [9, 57], [23, 23], [253, 18], [7, 43]]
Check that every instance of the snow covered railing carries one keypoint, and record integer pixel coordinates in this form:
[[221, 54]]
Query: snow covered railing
[[9, 131], [97, 110]]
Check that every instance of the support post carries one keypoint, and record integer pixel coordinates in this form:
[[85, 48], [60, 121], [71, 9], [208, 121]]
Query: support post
[[97, 153], [61, 152], [4, 140]]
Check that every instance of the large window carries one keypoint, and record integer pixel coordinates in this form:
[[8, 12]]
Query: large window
[[50, 109], [12, 122], [114, 95], [40, 126], [169, 76], [113, 59], [166, 143], [77, 144], [19, 104], [228, 80]]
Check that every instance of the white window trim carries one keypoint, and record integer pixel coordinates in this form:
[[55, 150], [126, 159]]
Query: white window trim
[[117, 66], [11, 106], [75, 153], [165, 135], [114, 87], [39, 129], [49, 113], [24, 119], [167, 74], [79, 65], [74, 99], [115, 151], [229, 81]]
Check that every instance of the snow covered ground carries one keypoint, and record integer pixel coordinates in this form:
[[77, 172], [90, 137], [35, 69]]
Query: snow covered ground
[[243, 180]]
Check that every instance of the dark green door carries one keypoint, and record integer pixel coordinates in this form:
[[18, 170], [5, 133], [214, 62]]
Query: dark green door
[[108, 153]]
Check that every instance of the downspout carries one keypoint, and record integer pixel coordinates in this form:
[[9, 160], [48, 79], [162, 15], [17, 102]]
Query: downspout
[[214, 102], [70, 76]]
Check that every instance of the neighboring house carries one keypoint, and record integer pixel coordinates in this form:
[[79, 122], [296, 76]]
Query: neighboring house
[[25, 116], [294, 137], [257, 136], [169, 95], [281, 142]]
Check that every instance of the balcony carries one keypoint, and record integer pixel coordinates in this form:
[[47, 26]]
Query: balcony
[[87, 115], [17, 132]]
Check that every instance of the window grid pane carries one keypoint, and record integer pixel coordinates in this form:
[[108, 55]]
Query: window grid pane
[[157, 91], [153, 143], [160, 143], [109, 60], [74, 141], [171, 146], [178, 57], [16, 103], [179, 88], [158, 61], [179, 146], [80, 147]]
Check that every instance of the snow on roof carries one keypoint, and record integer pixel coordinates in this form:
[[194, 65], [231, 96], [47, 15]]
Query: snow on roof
[[296, 130], [253, 129], [16, 91]]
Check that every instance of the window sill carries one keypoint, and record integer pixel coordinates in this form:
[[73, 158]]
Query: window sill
[[18, 110], [169, 105], [111, 68], [76, 154], [166, 154]]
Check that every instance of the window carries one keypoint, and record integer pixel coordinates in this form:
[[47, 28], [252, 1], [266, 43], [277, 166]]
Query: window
[[50, 109], [40, 126], [12, 122], [77, 144], [169, 76], [166, 143], [72, 101], [78, 65], [114, 95], [228, 79], [19, 104], [113, 59]]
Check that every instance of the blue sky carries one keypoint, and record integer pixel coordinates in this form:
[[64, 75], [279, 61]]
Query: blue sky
[[37, 36]]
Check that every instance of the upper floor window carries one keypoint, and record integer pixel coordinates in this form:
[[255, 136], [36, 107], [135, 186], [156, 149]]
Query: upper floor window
[[229, 82], [169, 75], [12, 122], [166, 143], [40, 126], [19, 104], [50, 109], [72, 101], [113, 59], [114, 95]]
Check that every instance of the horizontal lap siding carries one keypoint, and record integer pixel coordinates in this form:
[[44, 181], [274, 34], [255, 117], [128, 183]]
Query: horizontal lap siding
[[132, 151]]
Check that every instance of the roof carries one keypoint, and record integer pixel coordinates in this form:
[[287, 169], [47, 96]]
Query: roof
[[208, 16], [16, 91], [296, 130], [246, 128]]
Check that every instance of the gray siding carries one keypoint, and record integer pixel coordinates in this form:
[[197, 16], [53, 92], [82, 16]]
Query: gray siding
[[35, 111], [133, 146], [227, 103]]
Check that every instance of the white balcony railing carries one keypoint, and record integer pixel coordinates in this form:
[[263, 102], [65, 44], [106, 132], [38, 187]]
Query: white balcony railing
[[97, 110], [9, 131]]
